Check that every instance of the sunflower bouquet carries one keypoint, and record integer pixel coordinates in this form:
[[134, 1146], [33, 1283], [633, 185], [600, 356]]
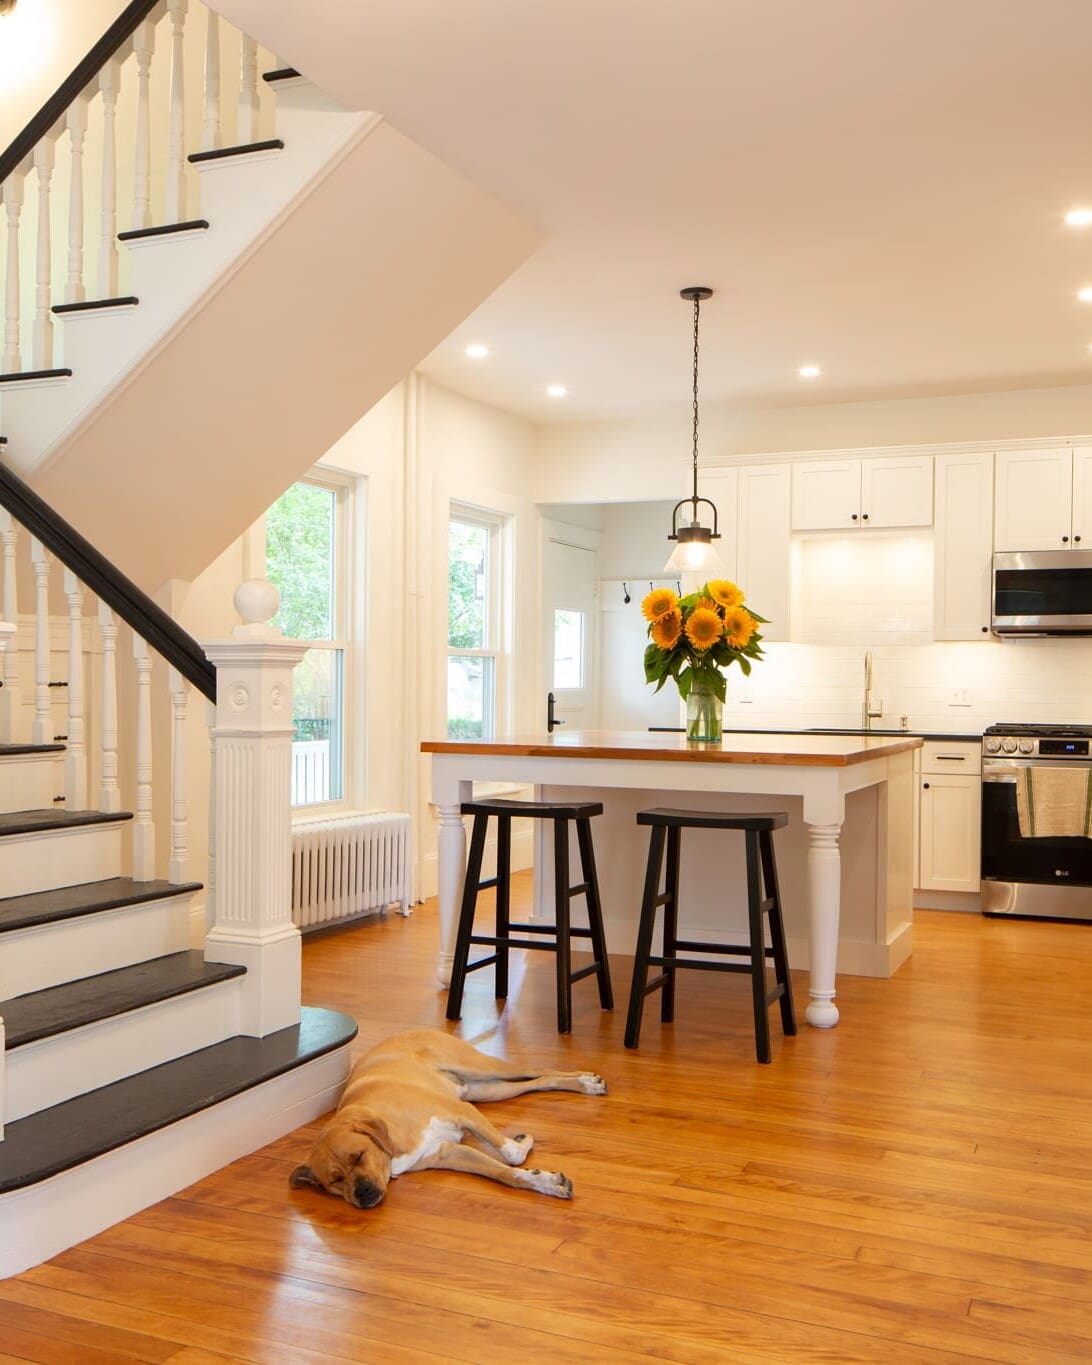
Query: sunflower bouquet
[[692, 639]]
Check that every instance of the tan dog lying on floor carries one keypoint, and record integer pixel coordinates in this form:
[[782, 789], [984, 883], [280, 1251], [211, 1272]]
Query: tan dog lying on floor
[[408, 1104]]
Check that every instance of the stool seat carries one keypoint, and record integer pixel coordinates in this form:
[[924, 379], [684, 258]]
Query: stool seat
[[712, 819], [535, 810]]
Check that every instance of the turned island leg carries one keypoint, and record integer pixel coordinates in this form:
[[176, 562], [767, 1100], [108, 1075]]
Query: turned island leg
[[824, 905], [450, 870]]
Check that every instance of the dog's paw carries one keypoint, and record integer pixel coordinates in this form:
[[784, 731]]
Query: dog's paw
[[517, 1149], [591, 1084], [553, 1183]]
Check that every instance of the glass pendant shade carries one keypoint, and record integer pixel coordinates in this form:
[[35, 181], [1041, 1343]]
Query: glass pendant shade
[[696, 554]]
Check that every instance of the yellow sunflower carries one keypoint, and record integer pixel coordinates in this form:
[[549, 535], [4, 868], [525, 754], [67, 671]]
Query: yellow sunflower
[[703, 628], [666, 631], [658, 603], [725, 592], [739, 626], [705, 604]]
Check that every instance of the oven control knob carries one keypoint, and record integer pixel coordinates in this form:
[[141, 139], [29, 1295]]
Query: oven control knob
[[992, 746], [1009, 746], [1027, 746]]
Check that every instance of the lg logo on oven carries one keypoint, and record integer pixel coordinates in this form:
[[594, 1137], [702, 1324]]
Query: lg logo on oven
[[1060, 872]]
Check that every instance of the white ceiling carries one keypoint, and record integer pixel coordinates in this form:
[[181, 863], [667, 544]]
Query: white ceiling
[[876, 186]]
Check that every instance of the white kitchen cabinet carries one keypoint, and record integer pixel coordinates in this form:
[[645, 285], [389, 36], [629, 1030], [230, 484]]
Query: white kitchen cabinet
[[721, 487], [1082, 497], [1034, 500], [963, 546], [764, 545], [879, 492], [949, 821]]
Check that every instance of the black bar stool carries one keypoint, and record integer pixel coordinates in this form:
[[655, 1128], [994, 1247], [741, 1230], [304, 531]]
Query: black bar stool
[[556, 938], [667, 825]]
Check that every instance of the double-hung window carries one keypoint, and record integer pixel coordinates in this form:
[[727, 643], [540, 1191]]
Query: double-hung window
[[307, 558], [474, 560]]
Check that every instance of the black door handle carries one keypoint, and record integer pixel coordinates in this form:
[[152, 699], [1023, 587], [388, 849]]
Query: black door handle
[[551, 720]]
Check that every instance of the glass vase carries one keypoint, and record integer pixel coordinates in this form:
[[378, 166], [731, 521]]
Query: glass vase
[[704, 713]]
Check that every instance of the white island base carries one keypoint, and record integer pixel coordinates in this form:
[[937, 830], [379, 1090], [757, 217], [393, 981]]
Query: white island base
[[844, 862]]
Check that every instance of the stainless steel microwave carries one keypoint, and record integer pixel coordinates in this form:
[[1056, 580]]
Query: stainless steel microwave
[[1042, 592]]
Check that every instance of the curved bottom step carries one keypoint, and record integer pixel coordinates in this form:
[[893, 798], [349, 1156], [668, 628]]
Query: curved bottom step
[[68, 1172]]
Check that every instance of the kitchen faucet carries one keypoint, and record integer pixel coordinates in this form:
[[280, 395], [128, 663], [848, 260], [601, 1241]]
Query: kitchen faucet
[[871, 712]]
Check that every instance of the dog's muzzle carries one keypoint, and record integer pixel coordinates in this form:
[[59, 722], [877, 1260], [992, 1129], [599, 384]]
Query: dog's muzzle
[[366, 1195]]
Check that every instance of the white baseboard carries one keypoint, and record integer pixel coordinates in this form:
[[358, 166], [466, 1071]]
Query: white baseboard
[[968, 902], [45, 1219]]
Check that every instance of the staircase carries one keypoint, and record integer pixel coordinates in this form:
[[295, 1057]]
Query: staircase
[[129, 1059]]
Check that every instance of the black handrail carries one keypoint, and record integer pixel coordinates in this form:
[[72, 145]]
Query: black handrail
[[123, 28], [119, 593]]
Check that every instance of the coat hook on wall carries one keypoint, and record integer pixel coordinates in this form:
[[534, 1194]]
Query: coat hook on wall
[[678, 584], [650, 585], [625, 595]]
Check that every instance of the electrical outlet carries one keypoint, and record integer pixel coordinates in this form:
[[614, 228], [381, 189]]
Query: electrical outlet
[[959, 697]]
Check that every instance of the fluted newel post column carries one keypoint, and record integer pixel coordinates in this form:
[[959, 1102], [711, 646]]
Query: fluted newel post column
[[41, 730], [11, 710], [75, 753], [143, 828], [252, 743]]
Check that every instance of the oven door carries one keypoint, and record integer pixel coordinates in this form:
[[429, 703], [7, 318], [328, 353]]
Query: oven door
[[1043, 592], [1006, 856]]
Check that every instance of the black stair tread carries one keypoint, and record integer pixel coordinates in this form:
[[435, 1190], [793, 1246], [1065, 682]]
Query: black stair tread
[[69, 902], [282, 73], [164, 230], [6, 749], [18, 376], [33, 821], [90, 305], [41, 1014], [71, 1133], [272, 144]]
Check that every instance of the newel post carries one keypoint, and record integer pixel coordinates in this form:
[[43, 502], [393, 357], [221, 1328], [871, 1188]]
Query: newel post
[[251, 815]]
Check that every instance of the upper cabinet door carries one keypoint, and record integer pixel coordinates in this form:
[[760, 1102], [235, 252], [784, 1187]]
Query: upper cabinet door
[[897, 491], [721, 487], [764, 543], [963, 544], [1033, 500], [1082, 497], [826, 495]]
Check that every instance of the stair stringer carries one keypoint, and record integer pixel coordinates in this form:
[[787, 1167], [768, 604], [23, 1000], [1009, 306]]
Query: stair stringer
[[355, 283]]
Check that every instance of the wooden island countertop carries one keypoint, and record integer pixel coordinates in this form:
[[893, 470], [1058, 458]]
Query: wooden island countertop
[[821, 751]]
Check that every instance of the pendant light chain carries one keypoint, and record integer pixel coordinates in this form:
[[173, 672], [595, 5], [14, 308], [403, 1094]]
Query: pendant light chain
[[697, 308]]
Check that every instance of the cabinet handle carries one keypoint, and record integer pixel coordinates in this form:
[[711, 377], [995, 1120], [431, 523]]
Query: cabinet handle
[[865, 517], [854, 517], [1065, 540], [925, 785], [950, 758], [985, 630], [1076, 540]]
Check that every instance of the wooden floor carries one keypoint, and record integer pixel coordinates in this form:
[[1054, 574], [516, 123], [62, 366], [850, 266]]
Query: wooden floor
[[915, 1186]]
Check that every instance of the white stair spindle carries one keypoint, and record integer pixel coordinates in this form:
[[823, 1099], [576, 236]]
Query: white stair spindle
[[75, 754], [210, 870], [41, 730], [13, 203], [247, 130], [176, 123], [76, 122], [11, 714], [143, 828], [44, 159], [143, 47], [109, 791], [109, 81], [178, 868], [211, 135]]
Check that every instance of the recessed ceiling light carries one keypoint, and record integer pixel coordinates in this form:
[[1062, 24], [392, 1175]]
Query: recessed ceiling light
[[1085, 294], [1079, 217], [556, 390], [809, 372], [477, 350]]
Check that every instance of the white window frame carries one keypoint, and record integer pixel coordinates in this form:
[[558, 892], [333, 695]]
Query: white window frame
[[346, 526], [497, 609]]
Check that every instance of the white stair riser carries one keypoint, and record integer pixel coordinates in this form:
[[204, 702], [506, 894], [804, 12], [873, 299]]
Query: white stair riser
[[43, 1220], [40, 1075], [54, 858], [30, 781], [47, 955]]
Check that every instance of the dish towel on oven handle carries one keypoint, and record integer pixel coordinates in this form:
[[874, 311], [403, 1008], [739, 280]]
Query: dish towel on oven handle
[[1054, 803]]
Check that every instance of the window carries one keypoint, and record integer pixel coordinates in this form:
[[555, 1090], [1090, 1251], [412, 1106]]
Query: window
[[306, 558], [568, 650], [473, 625]]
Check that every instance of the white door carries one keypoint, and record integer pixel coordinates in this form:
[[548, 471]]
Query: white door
[[951, 812], [764, 554], [963, 545], [826, 495], [1082, 498], [1033, 499], [897, 491], [570, 621]]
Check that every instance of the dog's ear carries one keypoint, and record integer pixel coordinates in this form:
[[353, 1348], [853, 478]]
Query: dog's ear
[[377, 1130], [304, 1175]]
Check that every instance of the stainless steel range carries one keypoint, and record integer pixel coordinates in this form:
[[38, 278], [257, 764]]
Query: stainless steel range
[[1036, 806]]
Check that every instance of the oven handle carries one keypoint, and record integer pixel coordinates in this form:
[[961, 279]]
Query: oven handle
[[1008, 776], [1007, 769]]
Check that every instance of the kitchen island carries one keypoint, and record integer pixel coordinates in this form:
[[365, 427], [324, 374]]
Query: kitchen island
[[844, 794]]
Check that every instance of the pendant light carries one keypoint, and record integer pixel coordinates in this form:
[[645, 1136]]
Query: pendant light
[[694, 551]]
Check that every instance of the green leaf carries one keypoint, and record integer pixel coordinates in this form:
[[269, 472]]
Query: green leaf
[[684, 681]]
